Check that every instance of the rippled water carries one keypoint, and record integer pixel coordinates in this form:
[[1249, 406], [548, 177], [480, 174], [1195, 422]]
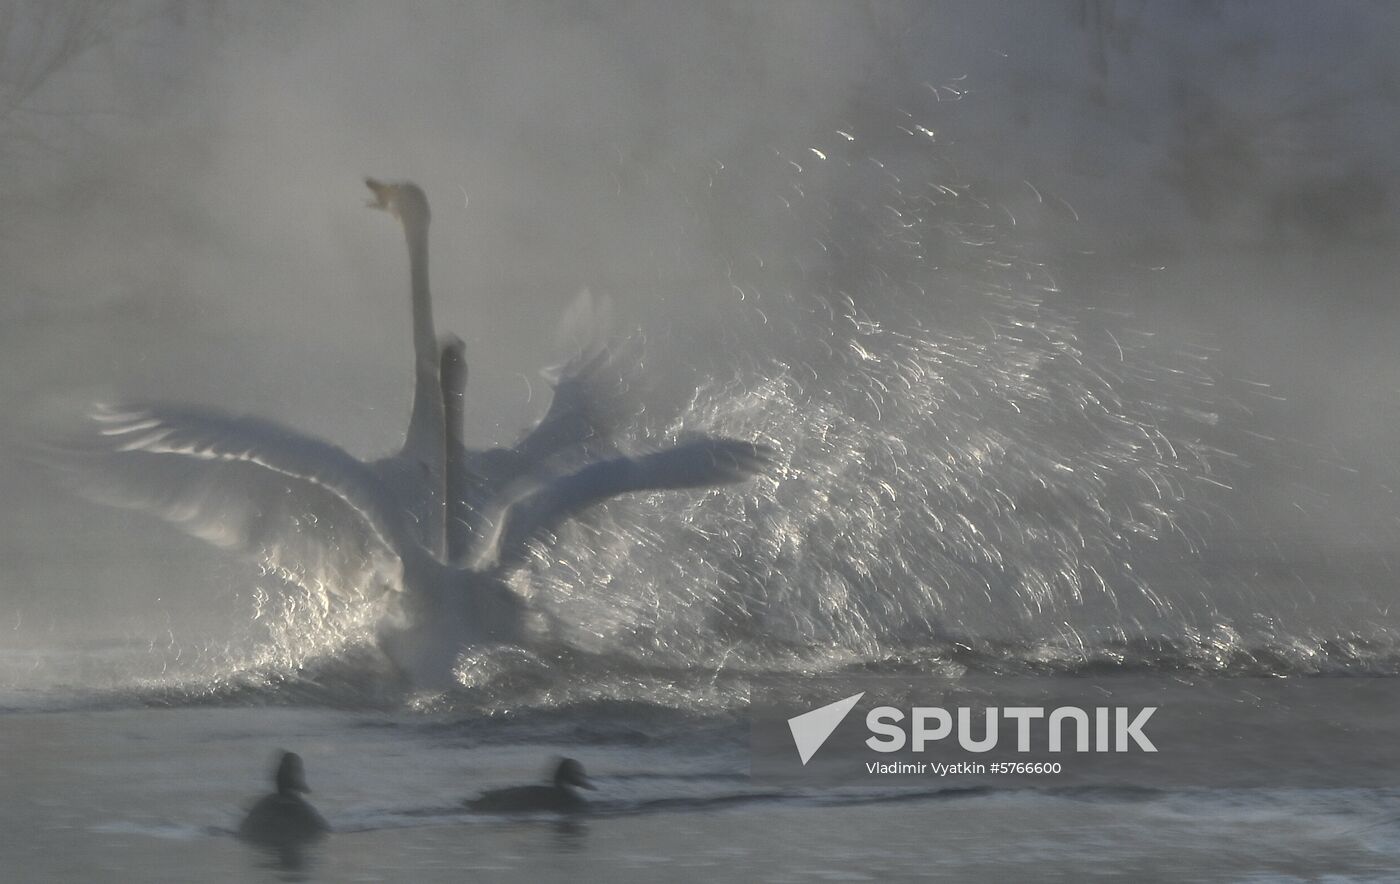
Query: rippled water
[[156, 794]]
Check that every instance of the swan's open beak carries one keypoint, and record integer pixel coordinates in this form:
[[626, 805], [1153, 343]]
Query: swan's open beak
[[383, 196]]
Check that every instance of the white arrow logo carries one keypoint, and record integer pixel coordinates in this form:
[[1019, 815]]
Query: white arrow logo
[[811, 729]]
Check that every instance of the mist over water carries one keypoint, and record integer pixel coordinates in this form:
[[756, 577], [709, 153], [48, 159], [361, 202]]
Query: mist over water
[[1058, 374]]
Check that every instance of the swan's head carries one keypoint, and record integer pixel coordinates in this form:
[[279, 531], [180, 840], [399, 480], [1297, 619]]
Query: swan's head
[[291, 776], [570, 773], [404, 200]]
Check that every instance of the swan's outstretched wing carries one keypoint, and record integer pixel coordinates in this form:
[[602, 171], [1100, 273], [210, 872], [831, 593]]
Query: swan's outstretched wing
[[592, 400], [305, 507], [699, 463]]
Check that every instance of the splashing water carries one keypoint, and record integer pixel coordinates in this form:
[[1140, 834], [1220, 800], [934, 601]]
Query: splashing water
[[964, 450], [954, 481], [967, 455]]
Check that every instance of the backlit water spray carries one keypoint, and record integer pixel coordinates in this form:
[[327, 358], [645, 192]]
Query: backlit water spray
[[965, 452]]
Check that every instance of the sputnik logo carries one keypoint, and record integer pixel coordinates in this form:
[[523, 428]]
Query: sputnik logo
[[811, 729]]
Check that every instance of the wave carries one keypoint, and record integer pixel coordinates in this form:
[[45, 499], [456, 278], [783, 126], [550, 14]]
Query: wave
[[719, 792], [562, 694]]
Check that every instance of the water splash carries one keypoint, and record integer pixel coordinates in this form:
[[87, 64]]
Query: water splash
[[974, 460], [966, 449]]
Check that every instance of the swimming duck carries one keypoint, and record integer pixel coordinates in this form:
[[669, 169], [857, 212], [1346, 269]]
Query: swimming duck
[[284, 817], [558, 797]]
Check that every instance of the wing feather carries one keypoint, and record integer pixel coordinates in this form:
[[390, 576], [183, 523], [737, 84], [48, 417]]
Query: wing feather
[[303, 506], [705, 462]]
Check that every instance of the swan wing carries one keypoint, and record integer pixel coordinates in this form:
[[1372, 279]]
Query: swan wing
[[592, 401], [704, 462], [305, 507]]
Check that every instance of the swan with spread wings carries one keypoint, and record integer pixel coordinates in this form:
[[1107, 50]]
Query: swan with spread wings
[[435, 525]]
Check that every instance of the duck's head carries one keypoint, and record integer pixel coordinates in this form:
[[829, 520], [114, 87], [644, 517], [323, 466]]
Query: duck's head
[[404, 200], [291, 775], [570, 773]]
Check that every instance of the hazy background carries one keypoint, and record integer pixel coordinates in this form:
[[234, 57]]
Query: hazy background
[[183, 218]]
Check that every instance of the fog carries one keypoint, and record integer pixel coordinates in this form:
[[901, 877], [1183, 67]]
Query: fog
[[185, 221]]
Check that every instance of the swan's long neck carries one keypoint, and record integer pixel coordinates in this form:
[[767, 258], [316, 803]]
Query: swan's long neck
[[426, 428], [424, 336], [454, 382]]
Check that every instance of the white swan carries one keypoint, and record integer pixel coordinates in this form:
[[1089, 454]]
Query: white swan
[[327, 519], [332, 522]]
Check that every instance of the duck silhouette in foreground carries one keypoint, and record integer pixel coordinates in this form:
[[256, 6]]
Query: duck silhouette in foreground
[[560, 796], [284, 818]]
